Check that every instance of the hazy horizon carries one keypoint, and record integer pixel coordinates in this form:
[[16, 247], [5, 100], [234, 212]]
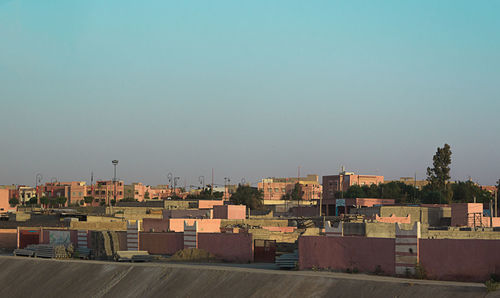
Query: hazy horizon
[[251, 89]]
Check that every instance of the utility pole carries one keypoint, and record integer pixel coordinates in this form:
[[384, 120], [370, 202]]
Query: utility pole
[[212, 188], [496, 201], [415, 189], [114, 162]]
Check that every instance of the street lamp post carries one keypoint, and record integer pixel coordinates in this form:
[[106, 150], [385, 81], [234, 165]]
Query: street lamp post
[[175, 183], [201, 179], [38, 179], [115, 163]]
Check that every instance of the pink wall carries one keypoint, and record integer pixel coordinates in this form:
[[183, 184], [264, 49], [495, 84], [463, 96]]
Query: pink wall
[[230, 212], [460, 259], [4, 200], [209, 204], [368, 202], [177, 225], [204, 225], [393, 219], [228, 247], [461, 213], [161, 243], [343, 253]]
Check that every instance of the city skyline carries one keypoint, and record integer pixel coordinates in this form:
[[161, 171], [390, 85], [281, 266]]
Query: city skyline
[[252, 90]]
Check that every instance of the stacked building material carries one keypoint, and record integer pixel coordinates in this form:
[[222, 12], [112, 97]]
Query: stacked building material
[[288, 261], [24, 252]]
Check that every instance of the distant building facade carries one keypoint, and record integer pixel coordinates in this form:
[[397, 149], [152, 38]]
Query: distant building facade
[[419, 184], [341, 182], [276, 188]]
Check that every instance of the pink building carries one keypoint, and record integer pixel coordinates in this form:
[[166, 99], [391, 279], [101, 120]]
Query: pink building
[[104, 191], [344, 180], [4, 200], [230, 212]]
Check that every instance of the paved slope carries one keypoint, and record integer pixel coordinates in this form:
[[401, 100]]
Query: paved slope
[[25, 277]]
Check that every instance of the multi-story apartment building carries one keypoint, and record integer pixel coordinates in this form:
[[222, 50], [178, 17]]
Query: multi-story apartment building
[[275, 188], [105, 191], [73, 191], [344, 180], [26, 193]]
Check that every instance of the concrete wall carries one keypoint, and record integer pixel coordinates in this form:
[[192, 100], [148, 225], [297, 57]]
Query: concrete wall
[[99, 226], [188, 213], [256, 222], [155, 225], [463, 260], [228, 247], [281, 229], [161, 243], [425, 215], [341, 253]]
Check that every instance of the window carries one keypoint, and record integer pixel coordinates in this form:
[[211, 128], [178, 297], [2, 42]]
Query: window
[[120, 193], [276, 190]]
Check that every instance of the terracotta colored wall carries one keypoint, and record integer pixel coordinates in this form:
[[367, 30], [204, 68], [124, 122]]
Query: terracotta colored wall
[[393, 219], [8, 239], [228, 247], [369, 202], [4, 200], [460, 213], [161, 243], [155, 225], [460, 259], [204, 225], [347, 253], [209, 204]]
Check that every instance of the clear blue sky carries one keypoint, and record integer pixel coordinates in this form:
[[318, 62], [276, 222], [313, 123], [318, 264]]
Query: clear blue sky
[[250, 88]]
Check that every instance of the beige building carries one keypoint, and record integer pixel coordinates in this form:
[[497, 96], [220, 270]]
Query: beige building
[[275, 188]]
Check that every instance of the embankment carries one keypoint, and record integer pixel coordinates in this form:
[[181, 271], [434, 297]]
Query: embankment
[[27, 277]]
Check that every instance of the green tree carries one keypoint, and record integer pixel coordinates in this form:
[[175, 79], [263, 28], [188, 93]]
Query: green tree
[[439, 175], [33, 201], [13, 202], [88, 200], [297, 193], [44, 201], [249, 196], [60, 201], [146, 195], [355, 191], [465, 192]]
